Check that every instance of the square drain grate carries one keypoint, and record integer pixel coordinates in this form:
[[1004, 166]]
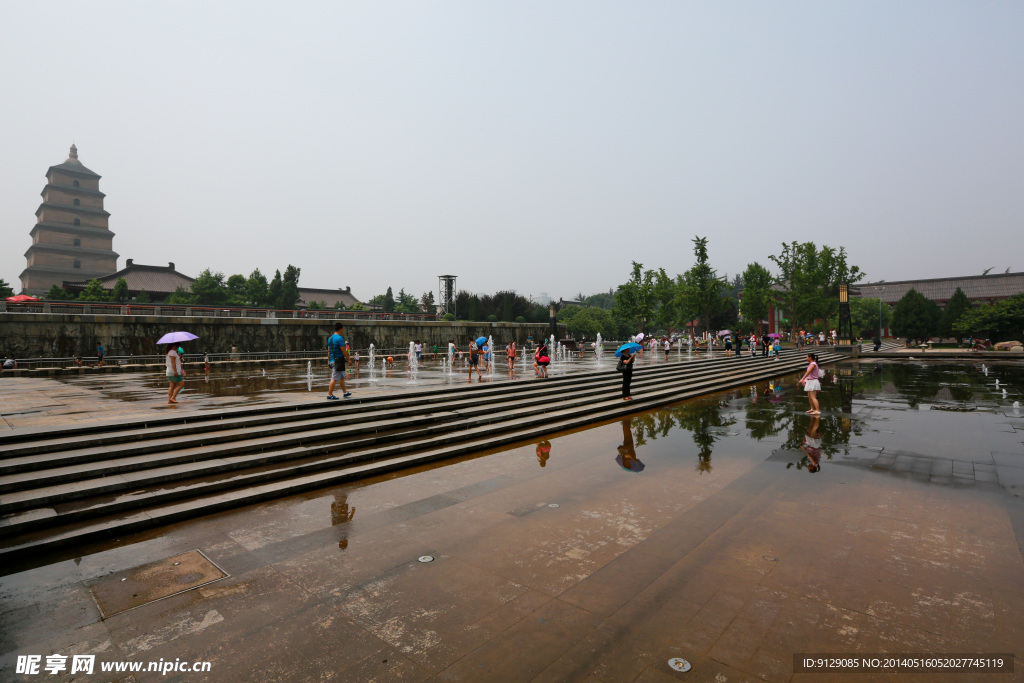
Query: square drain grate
[[131, 588]]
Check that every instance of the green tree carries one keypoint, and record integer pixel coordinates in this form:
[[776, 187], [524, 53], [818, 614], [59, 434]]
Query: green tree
[[406, 303], [257, 289], [915, 316], [142, 297], [703, 288], [999, 321], [94, 291], [274, 290], [757, 294], [864, 314], [56, 293], [957, 305], [289, 295], [120, 292], [181, 297], [208, 289], [236, 290], [427, 303], [635, 298], [5, 288], [808, 281], [389, 302]]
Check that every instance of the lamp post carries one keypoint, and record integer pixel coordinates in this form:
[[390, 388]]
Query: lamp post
[[880, 294], [845, 336]]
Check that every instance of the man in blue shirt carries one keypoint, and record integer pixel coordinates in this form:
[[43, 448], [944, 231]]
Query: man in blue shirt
[[337, 354]]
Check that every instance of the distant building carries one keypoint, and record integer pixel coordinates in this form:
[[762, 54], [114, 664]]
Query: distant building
[[980, 289], [159, 282], [331, 298], [71, 239]]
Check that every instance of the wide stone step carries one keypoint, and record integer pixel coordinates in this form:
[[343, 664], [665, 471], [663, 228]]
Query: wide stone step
[[118, 471], [158, 507]]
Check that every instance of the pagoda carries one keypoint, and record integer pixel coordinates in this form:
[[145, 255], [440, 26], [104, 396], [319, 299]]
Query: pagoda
[[71, 239]]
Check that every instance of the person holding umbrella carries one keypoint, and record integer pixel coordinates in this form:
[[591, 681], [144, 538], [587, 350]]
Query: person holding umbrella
[[175, 373], [175, 369], [625, 355]]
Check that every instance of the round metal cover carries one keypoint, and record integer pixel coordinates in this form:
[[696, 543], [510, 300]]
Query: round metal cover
[[679, 664], [553, 505], [426, 558]]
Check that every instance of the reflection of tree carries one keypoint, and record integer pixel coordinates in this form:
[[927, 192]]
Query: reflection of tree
[[342, 514], [701, 418]]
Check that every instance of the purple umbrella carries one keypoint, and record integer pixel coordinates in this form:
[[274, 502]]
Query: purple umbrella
[[175, 337]]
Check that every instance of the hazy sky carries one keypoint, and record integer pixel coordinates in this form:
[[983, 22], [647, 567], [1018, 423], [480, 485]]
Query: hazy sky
[[535, 146]]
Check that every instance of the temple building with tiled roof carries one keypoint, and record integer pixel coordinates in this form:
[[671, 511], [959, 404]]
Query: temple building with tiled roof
[[978, 288], [71, 239], [159, 282]]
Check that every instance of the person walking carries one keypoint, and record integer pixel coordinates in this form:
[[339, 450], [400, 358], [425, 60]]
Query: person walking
[[474, 360], [811, 384], [175, 373], [337, 354], [510, 354], [541, 359], [626, 363]]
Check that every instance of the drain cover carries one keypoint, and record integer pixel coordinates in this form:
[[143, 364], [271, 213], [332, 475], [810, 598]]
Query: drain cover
[[131, 588], [679, 664], [426, 558]]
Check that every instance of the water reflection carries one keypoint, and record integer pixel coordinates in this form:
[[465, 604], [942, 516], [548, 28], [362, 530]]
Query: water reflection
[[811, 447], [626, 458], [543, 452], [342, 514]]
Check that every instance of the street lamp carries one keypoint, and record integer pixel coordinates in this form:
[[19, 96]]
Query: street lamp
[[881, 292]]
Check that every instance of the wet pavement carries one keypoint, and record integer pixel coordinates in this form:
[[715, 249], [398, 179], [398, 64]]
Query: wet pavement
[[41, 401], [733, 531]]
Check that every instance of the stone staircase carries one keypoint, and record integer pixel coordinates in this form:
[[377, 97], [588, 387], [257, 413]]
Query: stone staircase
[[76, 484]]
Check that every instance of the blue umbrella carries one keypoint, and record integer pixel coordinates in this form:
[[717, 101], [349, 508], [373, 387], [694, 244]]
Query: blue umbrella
[[631, 346], [481, 341]]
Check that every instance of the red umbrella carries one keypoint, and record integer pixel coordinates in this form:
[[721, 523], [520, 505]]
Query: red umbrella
[[21, 298]]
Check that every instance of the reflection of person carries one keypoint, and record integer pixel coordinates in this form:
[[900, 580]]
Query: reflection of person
[[812, 444], [543, 452], [627, 451], [811, 384], [341, 513], [627, 374]]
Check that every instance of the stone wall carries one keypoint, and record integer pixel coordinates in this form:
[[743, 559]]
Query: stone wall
[[56, 335]]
